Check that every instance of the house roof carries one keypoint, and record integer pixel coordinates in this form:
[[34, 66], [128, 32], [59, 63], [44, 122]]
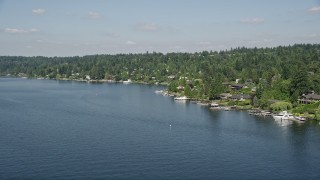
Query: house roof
[[226, 94], [237, 85], [312, 96]]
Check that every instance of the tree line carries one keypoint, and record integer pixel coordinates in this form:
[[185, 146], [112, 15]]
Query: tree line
[[282, 73]]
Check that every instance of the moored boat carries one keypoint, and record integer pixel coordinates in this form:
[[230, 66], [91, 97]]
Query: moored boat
[[254, 112], [214, 105], [127, 82], [300, 118], [284, 115]]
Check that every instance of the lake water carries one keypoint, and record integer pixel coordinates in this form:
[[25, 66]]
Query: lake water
[[74, 130]]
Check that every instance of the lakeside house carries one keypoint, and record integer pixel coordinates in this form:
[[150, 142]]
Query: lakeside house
[[309, 98], [234, 86], [225, 96], [237, 86]]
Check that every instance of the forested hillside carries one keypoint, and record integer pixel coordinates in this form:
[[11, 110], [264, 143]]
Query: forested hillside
[[282, 73]]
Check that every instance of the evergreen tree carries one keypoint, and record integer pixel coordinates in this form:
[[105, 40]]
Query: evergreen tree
[[299, 85]]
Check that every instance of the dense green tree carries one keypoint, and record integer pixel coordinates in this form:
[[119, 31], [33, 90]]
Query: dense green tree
[[216, 87], [278, 73], [300, 84], [173, 86], [187, 91]]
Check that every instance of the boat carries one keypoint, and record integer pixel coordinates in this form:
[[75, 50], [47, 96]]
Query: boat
[[254, 112], [299, 118], [127, 82], [266, 113], [214, 105], [284, 115], [181, 98], [202, 104]]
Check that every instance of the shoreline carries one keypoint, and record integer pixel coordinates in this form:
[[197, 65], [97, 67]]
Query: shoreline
[[203, 102], [83, 80], [216, 105]]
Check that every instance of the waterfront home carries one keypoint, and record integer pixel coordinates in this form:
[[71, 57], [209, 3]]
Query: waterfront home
[[309, 98], [225, 96], [237, 86]]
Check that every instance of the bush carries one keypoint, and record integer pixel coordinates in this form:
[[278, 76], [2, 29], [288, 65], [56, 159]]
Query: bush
[[317, 115], [246, 90], [244, 103], [310, 108], [239, 103], [280, 106], [231, 103]]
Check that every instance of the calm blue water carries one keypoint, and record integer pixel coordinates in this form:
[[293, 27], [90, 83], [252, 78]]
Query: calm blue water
[[71, 130]]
